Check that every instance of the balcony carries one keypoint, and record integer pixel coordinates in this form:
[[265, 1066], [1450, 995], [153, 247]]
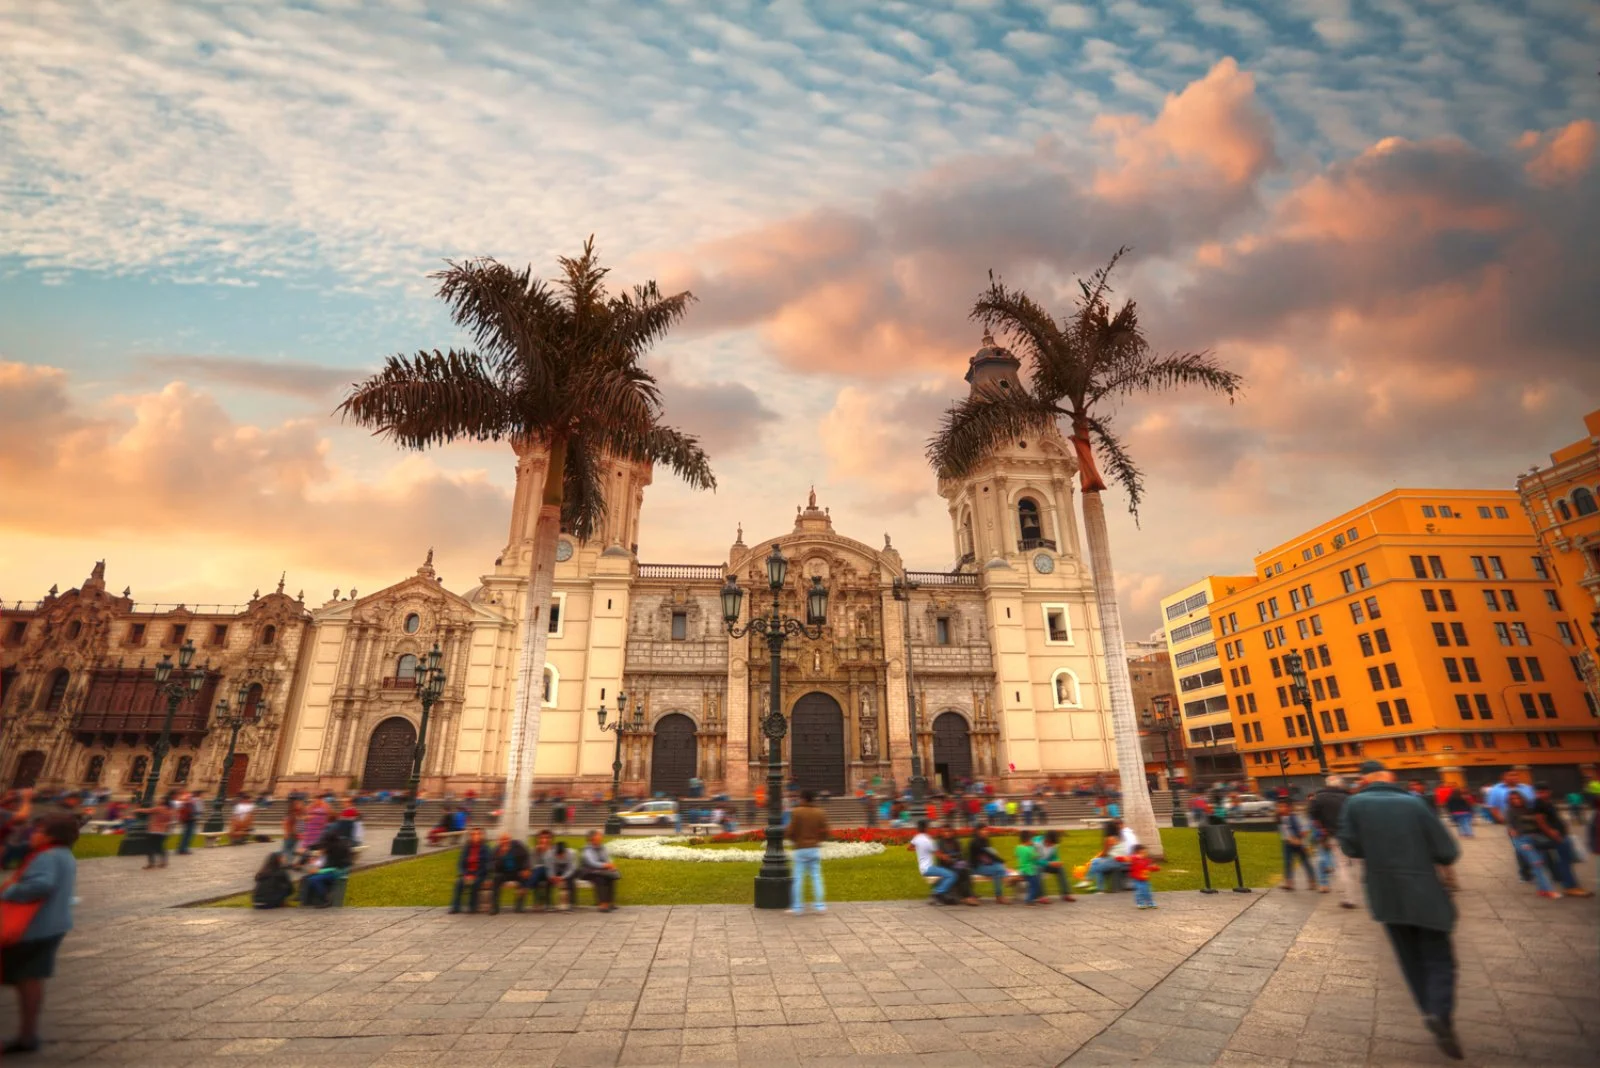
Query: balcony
[[148, 722], [941, 578], [1026, 544], [394, 682], [684, 572]]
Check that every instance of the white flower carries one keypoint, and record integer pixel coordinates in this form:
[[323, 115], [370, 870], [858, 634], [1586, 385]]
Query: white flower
[[657, 848]]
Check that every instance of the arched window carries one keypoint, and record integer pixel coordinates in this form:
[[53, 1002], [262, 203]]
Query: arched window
[[56, 691], [1064, 689], [269, 634], [1563, 511], [96, 768], [1583, 501], [413, 621], [74, 629], [140, 766], [406, 667], [1028, 519], [552, 685], [185, 764], [252, 701], [966, 534]]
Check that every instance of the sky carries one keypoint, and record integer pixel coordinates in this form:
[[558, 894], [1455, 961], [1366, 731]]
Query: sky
[[214, 217]]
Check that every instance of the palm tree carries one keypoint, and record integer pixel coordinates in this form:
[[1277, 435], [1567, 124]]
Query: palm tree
[[554, 368], [1079, 365]]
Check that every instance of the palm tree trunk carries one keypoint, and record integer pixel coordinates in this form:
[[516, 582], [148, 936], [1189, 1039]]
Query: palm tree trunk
[[523, 744], [1137, 810]]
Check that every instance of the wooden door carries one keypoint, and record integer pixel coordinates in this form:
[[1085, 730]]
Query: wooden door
[[952, 747], [236, 774], [673, 756], [389, 755], [29, 765], [816, 745]]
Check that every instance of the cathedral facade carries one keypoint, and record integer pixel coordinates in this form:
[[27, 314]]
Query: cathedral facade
[[1001, 656]]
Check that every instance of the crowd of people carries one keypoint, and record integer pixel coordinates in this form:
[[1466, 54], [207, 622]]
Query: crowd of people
[[545, 876]]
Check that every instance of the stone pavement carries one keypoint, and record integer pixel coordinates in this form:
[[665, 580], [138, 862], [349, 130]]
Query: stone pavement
[[1265, 979]]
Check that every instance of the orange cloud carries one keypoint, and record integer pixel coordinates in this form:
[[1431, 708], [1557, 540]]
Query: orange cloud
[[1562, 156]]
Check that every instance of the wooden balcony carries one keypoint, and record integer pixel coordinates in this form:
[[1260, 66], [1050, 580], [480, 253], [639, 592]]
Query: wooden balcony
[[396, 683], [187, 721]]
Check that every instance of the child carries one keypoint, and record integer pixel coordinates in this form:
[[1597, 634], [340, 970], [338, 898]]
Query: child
[[1293, 834], [1139, 869], [1050, 861], [1032, 872]]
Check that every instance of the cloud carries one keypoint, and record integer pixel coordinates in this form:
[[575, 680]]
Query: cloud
[[290, 377], [725, 416], [874, 440]]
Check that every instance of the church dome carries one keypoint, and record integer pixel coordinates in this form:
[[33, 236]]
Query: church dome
[[993, 365]]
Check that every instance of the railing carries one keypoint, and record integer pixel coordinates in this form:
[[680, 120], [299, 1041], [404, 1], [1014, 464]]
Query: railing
[[941, 578], [1024, 544], [684, 572], [137, 722], [148, 608], [396, 683]]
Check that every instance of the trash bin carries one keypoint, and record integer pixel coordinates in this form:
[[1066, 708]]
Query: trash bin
[[1216, 839]]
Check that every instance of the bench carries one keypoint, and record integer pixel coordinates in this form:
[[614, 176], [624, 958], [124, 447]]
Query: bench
[[449, 837], [703, 828], [103, 826]]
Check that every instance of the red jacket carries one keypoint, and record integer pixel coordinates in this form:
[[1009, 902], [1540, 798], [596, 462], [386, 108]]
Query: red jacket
[[1140, 867]]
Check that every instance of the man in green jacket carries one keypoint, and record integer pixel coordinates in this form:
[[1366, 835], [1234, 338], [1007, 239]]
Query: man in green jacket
[[1402, 842]]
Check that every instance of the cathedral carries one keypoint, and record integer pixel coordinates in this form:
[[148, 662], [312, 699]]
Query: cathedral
[[1002, 655]]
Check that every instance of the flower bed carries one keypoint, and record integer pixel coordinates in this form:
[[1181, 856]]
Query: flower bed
[[679, 849], [882, 835]]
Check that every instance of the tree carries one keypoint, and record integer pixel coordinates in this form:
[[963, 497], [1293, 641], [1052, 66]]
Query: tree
[[553, 367], [1078, 366]]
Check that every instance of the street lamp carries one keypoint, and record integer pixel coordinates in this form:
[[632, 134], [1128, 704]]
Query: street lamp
[[178, 688], [1283, 768], [233, 720], [620, 727], [919, 784], [1296, 667], [430, 685], [1162, 721], [772, 883]]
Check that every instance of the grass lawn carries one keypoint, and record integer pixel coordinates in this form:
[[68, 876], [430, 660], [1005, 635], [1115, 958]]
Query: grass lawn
[[90, 846], [892, 875]]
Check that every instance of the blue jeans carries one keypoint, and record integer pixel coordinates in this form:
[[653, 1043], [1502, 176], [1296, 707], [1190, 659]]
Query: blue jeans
[[467, 888], [1142, 894], [1529, 851], [946, 877], [807, 860], [1562, 861], [1290, 854], [997, 872], [186, 837], [1035, 886], [1463, 823], [1099, 867]]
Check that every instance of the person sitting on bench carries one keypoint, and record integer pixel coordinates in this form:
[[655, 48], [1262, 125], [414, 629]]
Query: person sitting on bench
[[595, 866], [510, 865], [1107, 863], [560, 869], [274, 887], [333, 864], [986, 863], [472, 870]]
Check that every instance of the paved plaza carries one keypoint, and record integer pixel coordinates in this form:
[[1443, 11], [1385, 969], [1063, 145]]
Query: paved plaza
[[1259, 980]]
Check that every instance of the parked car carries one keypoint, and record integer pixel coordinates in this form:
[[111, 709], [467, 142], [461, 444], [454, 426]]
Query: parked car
[[1252, 807], [650, 814]]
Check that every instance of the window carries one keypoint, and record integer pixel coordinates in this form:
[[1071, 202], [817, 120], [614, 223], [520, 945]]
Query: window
[[1338, 541], [1355, 613], [252, 701], [1552, 600], [1503, 633], [1288, 726], [1294, 600], [1028, 521], [1301, 719], [219, 634], [1316, 550], [1492, 602], [1283, 697], [1382, 637], [1305, 555], [1565, 512], [1272, 606], [558, 614], [1447, 599], [136, 634], [1547, 705], [1469, 741], [269, 634], [1483, 511], [1261, 610], [1064, 688], [1463, 706], [1417, 567], [1317, 691], [1305, 593], [413, 621], [1566, 633], [1488, 741], [1304, 628], [1519, 631], [1244, 673], [1583, 501], [1460, 632], [1233, 676], [1529, 709], [1469, 664], [680, 626], [1534, 741], [1058, 627], [1372, 608], [1363, 577], [1375, 677], [1250, 698], [1436, 566], [1277, 668], [96, 769], [1552, 739], [1477, 567], [1282, 640], [1348, 579], [1427, 511], [1392, 672], [1238, 702], [1577, 667], [1233, 622], [1496, 568], [18, 631], [1385, 714], [1402, 709], [1338, 717], [552, 686], [1272, 643], [1441, 636], [56, 691], [405, 667], [1446, 512], [1429, 601], [1539, 568], [1516, 669], [1366, 641], [1327, 661], [1199, 653], [1535, 671], [1481, 702], [1333, 687], [136, 773], [1500, 512], [1509, 599], [941, 629], [176, 635], [1452, 670]]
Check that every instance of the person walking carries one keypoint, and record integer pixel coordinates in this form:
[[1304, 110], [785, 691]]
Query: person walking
[[39, 896], [1402, 844], [1459, 806], [294, 811], [1495, 800], [1139, 869], [807, 829], [1323, 811], [188, 813], [1555, 843], [158, 825], [1523, 826]]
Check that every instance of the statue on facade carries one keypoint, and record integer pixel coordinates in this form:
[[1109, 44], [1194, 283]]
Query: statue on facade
[[869, 744]]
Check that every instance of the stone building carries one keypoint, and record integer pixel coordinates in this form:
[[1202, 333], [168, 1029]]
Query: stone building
[[1003, 652], [79, 705]]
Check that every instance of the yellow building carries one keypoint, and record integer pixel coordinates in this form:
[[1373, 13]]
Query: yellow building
[[1563, 503], [1208, 727], [1434, 636]]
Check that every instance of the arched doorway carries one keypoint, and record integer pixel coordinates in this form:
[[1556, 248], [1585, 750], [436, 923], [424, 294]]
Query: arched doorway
[[236, 774], [816, 744], [952, 749], [29, 765], [389, 754], [673, 756]]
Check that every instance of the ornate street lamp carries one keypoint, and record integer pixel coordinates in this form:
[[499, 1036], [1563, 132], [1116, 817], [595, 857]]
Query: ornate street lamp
[[233, 720], [619, 728], [1164, 721], [178, 687], [919, 784], [772, 883], [430, 687], [1296, 667]]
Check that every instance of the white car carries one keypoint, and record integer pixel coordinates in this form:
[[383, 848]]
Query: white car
[[1252, 806], [650, 814]]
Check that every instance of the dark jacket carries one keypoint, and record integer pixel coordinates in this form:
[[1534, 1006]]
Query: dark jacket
[[484, 858], [1401, 841], [273, 888], [1325, 806], [514, 861]]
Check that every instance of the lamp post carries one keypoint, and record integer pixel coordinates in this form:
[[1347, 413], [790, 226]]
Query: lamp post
[[619, 728], [1283, 768], [430, 685], [233, 720], [178, 688], [1163, 721], [772, 882], [919, 783], [1296, 667]]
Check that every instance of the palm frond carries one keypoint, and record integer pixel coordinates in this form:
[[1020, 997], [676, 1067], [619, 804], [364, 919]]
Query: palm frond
[[1116, 461], [583, 504], [431, 398], [970, 430], [1169, 372], [683, 454], [1033, 336]]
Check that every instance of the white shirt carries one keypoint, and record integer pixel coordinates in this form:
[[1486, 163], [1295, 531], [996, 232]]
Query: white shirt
[[927, 850], [1126, 843], [243, 809]]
